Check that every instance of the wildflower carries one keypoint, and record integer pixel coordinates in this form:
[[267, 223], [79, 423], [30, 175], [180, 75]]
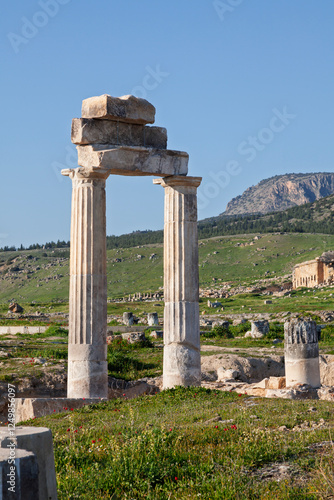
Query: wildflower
[[93, 441], [239, 395], [175, 478], [216, 426], [75, 431], [100, 439], [68, 430], [54, 410], [80, 427], [71, 409], [225, 429]]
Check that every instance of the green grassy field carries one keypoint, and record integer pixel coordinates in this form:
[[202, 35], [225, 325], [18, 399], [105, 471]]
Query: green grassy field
[[47, 279], [194, 443]]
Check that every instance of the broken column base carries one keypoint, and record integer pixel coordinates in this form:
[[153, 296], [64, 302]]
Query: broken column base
[[181, 366]]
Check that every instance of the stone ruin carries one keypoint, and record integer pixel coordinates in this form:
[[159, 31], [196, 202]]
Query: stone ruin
[[113, 138], [301, 354]]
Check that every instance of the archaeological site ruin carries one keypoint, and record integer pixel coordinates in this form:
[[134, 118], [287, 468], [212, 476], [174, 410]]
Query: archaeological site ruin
[[113, 138], [319, 271]]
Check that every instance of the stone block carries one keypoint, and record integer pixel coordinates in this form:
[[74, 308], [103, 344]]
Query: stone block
[[133, 337], [157, 334], [259, 329], [27, 408], [37, 440], [127, 108], [128, 319], [275, 383], [152, 319], [18, 475], [93, 131], [136, 160]]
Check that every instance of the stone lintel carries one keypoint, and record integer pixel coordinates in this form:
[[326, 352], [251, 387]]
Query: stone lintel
[[128, 160], [95, 131], [178, 180], [127, 108]]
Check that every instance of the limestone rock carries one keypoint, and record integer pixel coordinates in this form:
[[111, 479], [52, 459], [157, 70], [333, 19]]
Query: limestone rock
[[157, 334], [14, 307], [227, 374], [133, 337], [127, 108], [152, 319], [128, 318], [259, 329], [132, 160], [93, 131]]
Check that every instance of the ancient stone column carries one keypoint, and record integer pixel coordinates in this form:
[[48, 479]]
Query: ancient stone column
[[182, 363], [301, 353], [87, 349]]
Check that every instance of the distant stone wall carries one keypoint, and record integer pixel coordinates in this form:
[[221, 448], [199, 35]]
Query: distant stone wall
[[308, 274], [13, 330]]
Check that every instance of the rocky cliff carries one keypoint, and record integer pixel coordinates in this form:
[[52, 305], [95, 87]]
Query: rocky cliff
[[282, 192]]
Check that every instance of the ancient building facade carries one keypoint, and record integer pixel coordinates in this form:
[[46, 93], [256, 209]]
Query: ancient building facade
[[314, 272]]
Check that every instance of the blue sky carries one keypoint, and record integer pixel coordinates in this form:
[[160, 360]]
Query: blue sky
[[244, 86]]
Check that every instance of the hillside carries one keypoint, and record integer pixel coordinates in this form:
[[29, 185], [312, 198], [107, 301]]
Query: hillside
[[282, 192], [43, 276]]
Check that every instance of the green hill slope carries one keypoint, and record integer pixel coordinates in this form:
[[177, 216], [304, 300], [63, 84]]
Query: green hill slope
[[43, 276]]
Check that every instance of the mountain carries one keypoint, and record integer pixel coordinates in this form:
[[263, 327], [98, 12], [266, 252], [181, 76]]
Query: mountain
[[281, 192]]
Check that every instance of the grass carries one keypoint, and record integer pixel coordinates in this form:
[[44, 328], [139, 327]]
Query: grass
[[167, 447], [219, 257]]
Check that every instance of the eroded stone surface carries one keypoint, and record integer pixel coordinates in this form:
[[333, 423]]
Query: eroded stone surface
[[93, 131], [182, 364], [133, 160], [301, 353], [127, 108]]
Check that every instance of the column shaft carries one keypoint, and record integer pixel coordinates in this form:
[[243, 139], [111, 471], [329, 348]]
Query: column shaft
[[87, 349], [182, 364]]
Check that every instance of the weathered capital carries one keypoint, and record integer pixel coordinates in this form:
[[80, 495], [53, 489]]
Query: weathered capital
[[85, 173], [178, 180]]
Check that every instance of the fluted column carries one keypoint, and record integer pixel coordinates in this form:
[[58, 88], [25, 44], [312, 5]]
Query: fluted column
[[182, 363], [87, 344]]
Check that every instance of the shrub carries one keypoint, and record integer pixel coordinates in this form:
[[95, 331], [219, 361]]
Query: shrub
[[276, 331], [218, 332]]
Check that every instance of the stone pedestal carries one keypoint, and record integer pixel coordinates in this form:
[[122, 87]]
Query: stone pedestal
[[182, 364], [301, 353], [87, 349]]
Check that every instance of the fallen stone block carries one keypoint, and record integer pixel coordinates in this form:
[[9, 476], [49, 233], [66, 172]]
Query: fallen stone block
[[275, 383], [27, 408], [37, 440], [127, 108], [18, 475]]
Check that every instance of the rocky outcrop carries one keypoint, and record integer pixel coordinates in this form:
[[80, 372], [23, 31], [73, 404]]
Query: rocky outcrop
[[281, 192]]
